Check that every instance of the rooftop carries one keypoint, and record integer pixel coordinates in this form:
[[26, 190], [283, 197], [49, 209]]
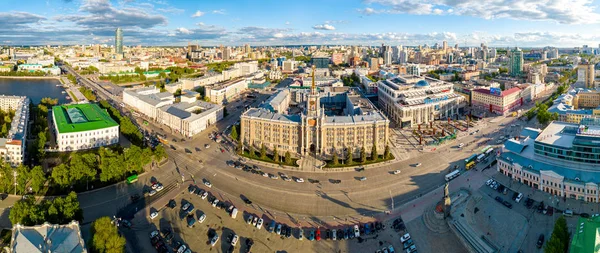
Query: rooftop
[[504, 93], [586, 235], [47, 238], [81, 117]]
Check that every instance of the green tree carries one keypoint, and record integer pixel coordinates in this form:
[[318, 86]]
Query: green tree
[[160, 153], [559, 240], [4, 131], [263, 151], [386, 152], [349, 158], [363, 155], [61, 176], [234, 134], [38, 179], [177, 92], [106, 237], [40, 144], [252, 152], [335, 160], [374, 154], [288, 158], [24, 212], [543, 116], [82, 167], [275, 154], [240, 148], [111, 165], [23, 177]]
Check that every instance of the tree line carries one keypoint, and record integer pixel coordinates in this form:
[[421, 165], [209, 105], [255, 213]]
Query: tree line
[[60, 210], [89, 94], [127, 128], [6, 118]]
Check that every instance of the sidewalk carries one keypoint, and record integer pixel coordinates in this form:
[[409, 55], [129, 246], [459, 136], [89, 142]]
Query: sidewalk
[[557, 202]]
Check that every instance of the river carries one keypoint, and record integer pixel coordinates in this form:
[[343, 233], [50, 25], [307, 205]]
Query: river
[[35, 89]]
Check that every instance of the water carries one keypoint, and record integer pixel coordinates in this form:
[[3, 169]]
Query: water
[[34, 89]]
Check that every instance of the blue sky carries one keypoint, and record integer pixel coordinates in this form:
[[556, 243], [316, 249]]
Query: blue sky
[[525, 23]]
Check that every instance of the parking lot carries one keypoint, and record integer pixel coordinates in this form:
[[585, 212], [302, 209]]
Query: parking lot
[[197, 235]]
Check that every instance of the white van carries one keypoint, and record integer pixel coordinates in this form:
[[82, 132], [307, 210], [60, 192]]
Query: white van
[[519, 197], [234, 212]]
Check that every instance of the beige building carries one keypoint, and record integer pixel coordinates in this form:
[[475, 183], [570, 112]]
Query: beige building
[[586, 99], [317, 123], [410, 100], [12, 148], [589, 75], [220, 93]]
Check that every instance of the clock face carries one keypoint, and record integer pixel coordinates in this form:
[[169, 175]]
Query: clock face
[[312, 102]]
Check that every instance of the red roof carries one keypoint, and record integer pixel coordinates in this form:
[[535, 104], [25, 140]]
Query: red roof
[[504, 93]]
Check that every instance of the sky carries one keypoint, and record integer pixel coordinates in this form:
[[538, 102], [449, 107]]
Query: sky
[[502, 23]]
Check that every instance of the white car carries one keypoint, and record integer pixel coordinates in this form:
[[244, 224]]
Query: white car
[[273, 176], [249, 220], [299, 180], [214, 240], [234, 240], [259, 223], [153, 215], [461, 145], [207, 183], [404, 238], [255, 221], [185, 206], [182, 248], [519, 197], [201, 218], [214, 203], [396, 172], [159, 187], [154, 186], [152, 192], [206, 146], [489, 182], [356, 231], [204, 195], [418, 164]]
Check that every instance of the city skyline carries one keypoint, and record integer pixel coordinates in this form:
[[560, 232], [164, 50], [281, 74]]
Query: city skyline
[[370, 22]]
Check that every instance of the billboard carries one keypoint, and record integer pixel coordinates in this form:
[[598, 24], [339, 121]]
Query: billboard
[[496, 91]]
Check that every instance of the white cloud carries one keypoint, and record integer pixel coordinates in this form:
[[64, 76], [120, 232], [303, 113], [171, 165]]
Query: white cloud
[[221, 11], [287, 22], [560, 11], [324, 27], [198, 14], [184, 30]]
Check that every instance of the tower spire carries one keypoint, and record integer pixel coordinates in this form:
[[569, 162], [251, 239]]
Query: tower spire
[[312, 86]]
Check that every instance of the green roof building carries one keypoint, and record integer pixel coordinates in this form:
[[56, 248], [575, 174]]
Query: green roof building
[[83, 126], [586, 236]]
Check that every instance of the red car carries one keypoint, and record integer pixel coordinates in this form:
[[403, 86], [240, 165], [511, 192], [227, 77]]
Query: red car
[[318, 235]]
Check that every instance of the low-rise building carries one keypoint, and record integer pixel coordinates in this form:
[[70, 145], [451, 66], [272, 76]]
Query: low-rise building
[[47, 238], [83, 126], [221, 93], [496, 101], [188, 117]]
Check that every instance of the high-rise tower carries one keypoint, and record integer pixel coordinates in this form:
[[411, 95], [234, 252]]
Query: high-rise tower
[[119, 41]]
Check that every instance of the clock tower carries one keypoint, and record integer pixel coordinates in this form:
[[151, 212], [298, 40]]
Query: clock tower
[[313, 104], [312, 121]]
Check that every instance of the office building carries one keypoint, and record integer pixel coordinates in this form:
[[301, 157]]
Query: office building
[[590, 75], [12, 148], [119, 41], [409, 100], [83, 126], [188, 117], [561, 160], [374, 63], [496, 101], [47, 238], [320, 62], [315, 122], [515, 64], [221, 93]]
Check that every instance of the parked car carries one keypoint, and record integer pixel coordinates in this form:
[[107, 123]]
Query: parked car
[[540, 241], [271, 226], [259, 223], [519, 197], [249, 219], [396, 172], [356, 231], [201, 218], [278, 229], [405, 237], [234, 239], [406, 244], [153, 215], [214, 240]]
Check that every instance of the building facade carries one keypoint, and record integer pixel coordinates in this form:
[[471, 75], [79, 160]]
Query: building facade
[[411, 100], [119, 41], [496, 101], [47, 238], [222, 92], [319, 123], [12, 148], [561, 160], [515, 63], [83, 126]]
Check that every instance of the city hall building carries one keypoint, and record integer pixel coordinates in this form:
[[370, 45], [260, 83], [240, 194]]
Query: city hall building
[[563, 159], [410, 100], [317, 121], [83, 126]]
